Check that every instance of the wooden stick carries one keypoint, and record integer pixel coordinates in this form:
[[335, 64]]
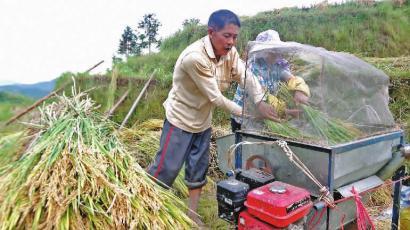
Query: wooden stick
[[110, 97], [35, 105], [119, 102], [95, 66], [137, 100], [38, 102]]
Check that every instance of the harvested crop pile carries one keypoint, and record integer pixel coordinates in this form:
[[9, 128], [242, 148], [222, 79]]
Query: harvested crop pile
[[78, 175], [143, 140]]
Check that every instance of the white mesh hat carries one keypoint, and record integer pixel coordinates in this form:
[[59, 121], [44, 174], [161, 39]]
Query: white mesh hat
[[268, 39], [270, 36]]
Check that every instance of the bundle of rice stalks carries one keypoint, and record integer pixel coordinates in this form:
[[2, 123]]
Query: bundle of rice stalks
[[78, 175], [286, 95], [332, 130], [143, 144], [149, 125], [283, 129]]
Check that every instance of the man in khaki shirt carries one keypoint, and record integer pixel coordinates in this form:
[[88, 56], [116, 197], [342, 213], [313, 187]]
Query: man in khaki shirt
[[202, 71]]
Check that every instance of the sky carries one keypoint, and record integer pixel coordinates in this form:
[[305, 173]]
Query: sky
[[41, 39]]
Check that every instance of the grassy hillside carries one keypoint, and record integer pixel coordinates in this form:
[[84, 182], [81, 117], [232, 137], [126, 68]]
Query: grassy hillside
[[371, 32], [11, 103], [377, 31], [380, 30]]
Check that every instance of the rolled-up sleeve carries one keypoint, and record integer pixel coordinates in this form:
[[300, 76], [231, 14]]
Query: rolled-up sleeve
[[196, 66]]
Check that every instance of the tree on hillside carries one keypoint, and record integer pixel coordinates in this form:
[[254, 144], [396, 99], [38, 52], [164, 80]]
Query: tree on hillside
[[190, 22], [128, 43], [142, 41], [149, 25]]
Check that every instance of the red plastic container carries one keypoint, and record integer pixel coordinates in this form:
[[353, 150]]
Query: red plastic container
[[278, 203], [248, 222]]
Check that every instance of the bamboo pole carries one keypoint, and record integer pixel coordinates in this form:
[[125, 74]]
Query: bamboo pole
[[17, 116], [119, 102], [95, 66], [134, 105], [112, 89], [38, 102]]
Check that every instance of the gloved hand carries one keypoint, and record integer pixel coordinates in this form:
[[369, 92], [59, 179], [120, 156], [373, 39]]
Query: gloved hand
[[298, 84], [267, 111], [278, 105]]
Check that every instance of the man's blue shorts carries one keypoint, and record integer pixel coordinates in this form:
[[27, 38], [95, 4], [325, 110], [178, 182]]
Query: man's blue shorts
[[178, 147]]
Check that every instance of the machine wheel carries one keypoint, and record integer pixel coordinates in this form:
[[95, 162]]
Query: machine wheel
[[250, 163]]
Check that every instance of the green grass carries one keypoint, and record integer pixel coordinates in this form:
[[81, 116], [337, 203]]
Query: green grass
[[10, 147], [208, 209], [11, 103], [378, 30], [6, 111]]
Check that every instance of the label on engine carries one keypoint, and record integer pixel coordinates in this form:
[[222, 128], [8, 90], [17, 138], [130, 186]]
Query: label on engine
[[228, 201], [297, 205]]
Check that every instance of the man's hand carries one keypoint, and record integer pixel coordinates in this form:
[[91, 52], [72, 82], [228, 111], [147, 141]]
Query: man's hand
[[300, 98], [267, 111]]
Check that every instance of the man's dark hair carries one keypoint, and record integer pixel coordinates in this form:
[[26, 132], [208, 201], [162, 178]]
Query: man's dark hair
[[220, 18]]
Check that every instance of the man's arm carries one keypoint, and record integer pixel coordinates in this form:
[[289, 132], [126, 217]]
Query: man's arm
[[246, 79], [200, 71]]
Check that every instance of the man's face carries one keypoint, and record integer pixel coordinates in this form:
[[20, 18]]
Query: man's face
[[224, 39]]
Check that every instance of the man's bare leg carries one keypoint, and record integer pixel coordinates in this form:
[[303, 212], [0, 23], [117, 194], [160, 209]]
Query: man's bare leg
[[193, 201]]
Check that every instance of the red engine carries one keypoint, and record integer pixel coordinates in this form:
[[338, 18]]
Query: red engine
[[277, 204], [247, 221]]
